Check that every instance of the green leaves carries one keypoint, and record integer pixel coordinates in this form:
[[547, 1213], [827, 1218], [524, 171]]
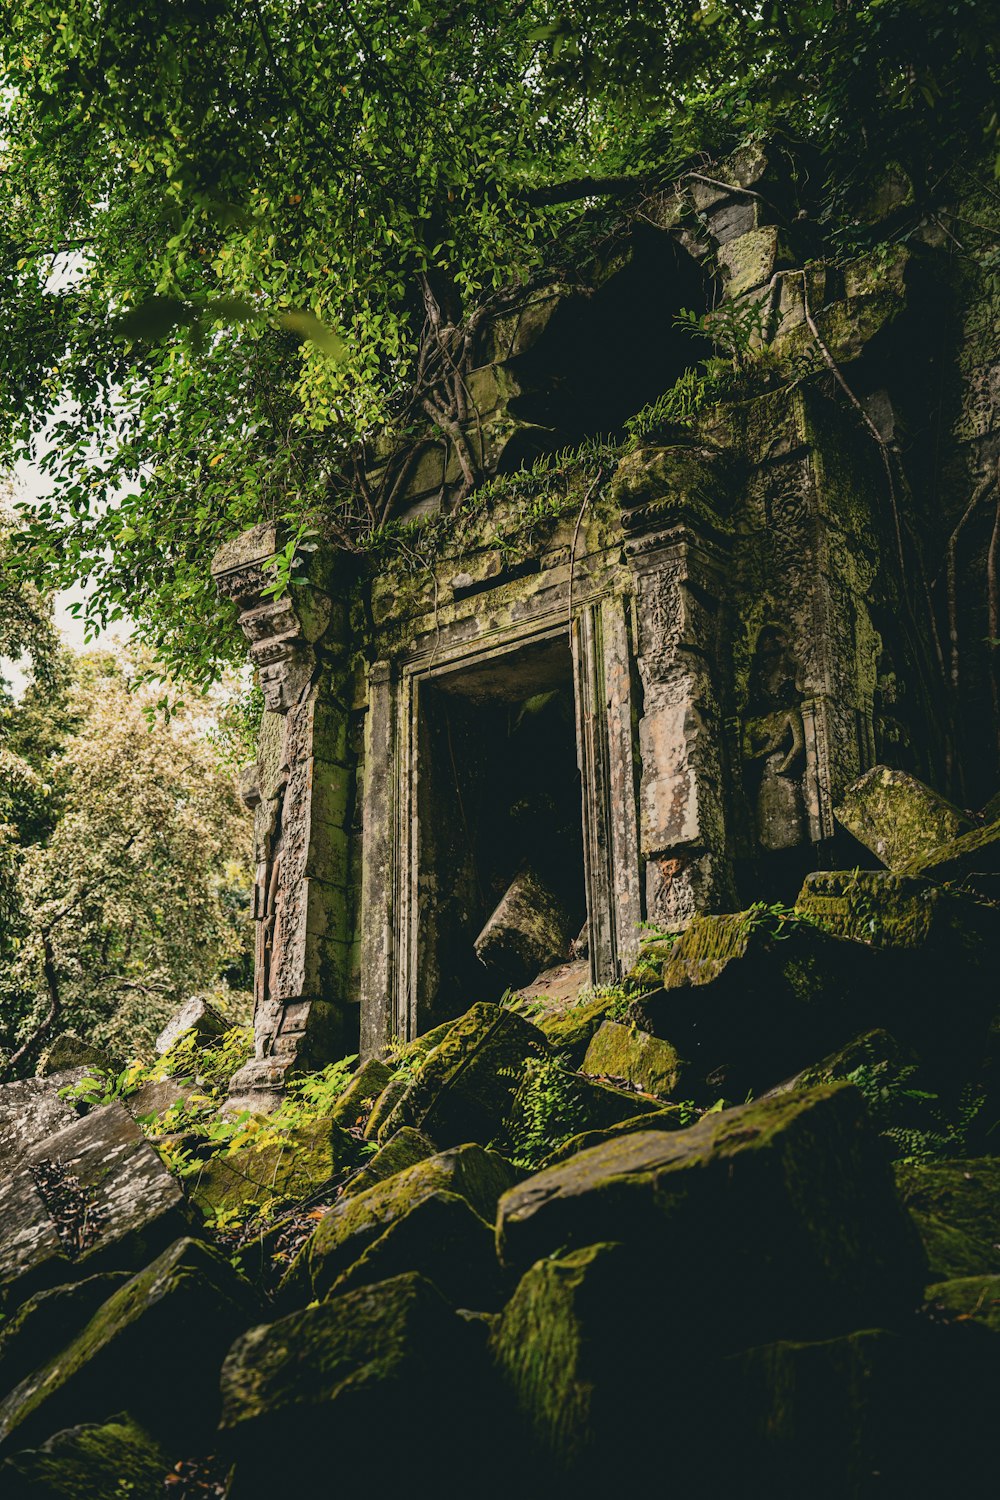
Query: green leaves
[[310, 328]]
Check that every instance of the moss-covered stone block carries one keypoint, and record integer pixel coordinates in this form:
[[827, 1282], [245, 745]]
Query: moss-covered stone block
[[750, 260], [577, 1349], [354, 1104], [791, 1196], [874, 907], [279, 1171], [443, 1239], [626, 1052], [961, 859], [956, 1208], [385, 1104], [667, 1117], [967, 1298], [113, 1460], [876, 1412], [44, 1323], [360, 1381], [869, 1050], [402, 1150], [463, 1089], [154, 1348], [897, 817], [353, 1224], [569, 1031]]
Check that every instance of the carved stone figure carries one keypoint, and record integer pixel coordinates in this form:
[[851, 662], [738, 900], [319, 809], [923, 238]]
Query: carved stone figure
[[775, 736]]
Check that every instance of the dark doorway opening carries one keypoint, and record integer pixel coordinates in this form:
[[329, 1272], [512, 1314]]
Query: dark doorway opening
[[499, 794]]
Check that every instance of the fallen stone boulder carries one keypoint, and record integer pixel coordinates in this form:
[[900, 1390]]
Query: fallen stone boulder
[[569, 1031], [353, 1224], [443, 1239], [279, 1171], [402, 1150], [897, 817], [528, 931], [194, 1015], [626, 1052], [776, 1219], [31, 1110], [69, 1051], [872, 1049], [115, 1459], [748, 998], [153, 1348], [385, 1376], [956, 1208], [967, 1299], [463, 1089], [887, 1413], [583, 1352], [354, 1104], [110, 1200], [385, 1104], [46, 1321]]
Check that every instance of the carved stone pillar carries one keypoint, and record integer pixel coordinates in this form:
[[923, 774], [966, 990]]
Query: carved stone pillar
[[300, 790]]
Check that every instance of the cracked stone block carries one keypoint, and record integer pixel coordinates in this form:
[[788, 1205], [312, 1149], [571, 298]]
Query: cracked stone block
[[154, 1347], [197, 1015], [528, 931], [94, 1195], [897, 817], [30, 1110], [41, 1325]]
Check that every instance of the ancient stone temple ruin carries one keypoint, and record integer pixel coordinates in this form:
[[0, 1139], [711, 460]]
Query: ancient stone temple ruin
[[555, 716]]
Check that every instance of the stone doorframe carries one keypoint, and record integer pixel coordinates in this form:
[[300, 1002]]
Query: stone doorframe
[[602, 652]]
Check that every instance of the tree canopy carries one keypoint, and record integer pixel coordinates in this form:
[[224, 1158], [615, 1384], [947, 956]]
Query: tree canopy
[[232, 229]]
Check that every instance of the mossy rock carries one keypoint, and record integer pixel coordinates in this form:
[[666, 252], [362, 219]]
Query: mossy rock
[[443, 1239], [898, 818], [956, 1208], [43, 1324], [961, 859], [875, 1412], [153, 1347], [402, 1150], [626, 1052], [354, 1104], [91, 1462], [353, 1224], [386, 1379], [869, 1050], [385, 1105], [283, 1171], [569, 1031], [969, 1298], [578, 1349], [70, 1051], [789, 1199], [463, 1089], [667, 1117]]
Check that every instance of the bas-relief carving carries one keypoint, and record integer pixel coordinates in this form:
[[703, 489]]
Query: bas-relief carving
[[774, 745]]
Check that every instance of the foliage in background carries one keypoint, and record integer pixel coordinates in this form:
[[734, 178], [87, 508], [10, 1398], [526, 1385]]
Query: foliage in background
[[131, 892], [239, 238]]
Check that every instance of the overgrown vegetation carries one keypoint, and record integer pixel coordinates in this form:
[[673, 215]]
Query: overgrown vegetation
[[242, 241]]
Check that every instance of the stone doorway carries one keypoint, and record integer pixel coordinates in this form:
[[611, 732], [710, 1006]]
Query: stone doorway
[[499, 826]]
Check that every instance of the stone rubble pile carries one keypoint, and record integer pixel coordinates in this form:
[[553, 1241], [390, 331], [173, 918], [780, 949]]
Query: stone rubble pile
[[673, 1295]]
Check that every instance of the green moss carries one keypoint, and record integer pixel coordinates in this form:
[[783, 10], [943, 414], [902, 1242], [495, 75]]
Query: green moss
[[570, 1031], [973, 1299], [641, 1059], [114, 1461], [364, 1088], [278, 1172], [956, 1208], [354, 1223], [875, 907], [402, 1150], [670, 1117]]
